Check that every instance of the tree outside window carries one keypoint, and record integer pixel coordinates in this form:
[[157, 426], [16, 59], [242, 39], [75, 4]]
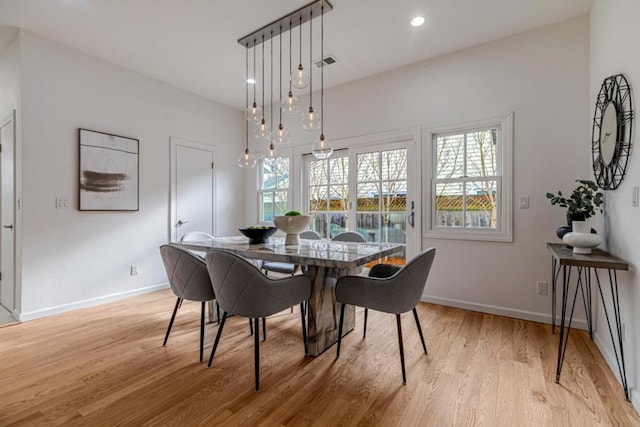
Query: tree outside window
[[274, 188]]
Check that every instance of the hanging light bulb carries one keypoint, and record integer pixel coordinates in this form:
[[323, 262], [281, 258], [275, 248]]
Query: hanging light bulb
[[272, 153], [299, 76], [310, 119], [253, 112], [263, 131], [289, 103], [246, 159], [322, 149]]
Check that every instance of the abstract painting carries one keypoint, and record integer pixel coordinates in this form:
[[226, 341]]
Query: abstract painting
[[108, 172]]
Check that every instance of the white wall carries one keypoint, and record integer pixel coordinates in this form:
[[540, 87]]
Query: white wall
[[73, 258], [542, 76], [614, 40]]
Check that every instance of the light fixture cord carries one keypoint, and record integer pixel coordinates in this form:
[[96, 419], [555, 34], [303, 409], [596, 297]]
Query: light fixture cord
[[310, 60], [263, 76], [271, 84], [280, 79], [322, 69], [300, 32], [254, 70], [290, 55], [246, 98]]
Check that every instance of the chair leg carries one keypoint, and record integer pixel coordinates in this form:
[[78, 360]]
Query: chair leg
[[364, 330], [204, 303], [415, 316], [404, 375], [215, 343], [340, 329], [304, 328], [218, 311], [256, 353], [251, 327], [173, 316], [264, 329]]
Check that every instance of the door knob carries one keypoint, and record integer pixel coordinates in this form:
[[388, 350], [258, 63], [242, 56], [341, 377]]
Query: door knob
[[10, 227], [181, 222]]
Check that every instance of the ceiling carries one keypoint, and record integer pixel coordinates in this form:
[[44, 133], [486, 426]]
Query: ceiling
[[191, 44]]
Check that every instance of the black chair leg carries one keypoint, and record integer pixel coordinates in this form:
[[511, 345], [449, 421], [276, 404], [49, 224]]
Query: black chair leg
[[364, 330], [218, 311], [340, 329], [404, 375], [251, 326], [204, 303], [264, 329], [173, 316], [304, 328], [215, 343], [415, 316], [256, 344]]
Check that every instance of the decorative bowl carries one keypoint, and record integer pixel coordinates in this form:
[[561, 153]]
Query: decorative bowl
[[292, 225], [258, 235]]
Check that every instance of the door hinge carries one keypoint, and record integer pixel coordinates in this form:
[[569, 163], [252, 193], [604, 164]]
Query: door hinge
[[211, 165]]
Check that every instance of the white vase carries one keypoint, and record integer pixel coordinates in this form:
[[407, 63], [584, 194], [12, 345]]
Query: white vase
[[581, 238]]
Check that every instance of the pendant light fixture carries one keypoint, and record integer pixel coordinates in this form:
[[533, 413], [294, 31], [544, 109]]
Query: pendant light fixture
[[322, 148], [311, 119], [300, 77], [263, 131], [281, 136], [272, 154], [252, 113], [289, 103], [246, 159]]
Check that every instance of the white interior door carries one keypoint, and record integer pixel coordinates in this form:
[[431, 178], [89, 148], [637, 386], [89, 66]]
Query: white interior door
[[7, 214], [192, 189]]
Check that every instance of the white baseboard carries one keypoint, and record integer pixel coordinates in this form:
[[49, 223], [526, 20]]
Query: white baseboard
[[49, 311], [502, 311], [610, 358]]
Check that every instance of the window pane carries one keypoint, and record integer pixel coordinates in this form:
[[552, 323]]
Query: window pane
[[267, 206], [280, 203], [338, 197], [339, 170], [481, 201], [481, 153], [394, 228], [449, 200], [282, 167], [450, 156], [394, 164], [317, 199], [368, 169], [368, 197], [368, 224], [319, 223], [394, 196], [337, 223], [268, 175], [317, 172]]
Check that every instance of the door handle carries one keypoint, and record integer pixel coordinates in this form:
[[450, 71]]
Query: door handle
[[181, 222], [412, 216], [10, 227]]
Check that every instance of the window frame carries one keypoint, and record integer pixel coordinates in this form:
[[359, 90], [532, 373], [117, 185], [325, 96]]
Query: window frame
[[503, 178], [262, 191]]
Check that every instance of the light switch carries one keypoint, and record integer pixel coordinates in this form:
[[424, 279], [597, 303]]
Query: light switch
[[62, 202], [524, 202]]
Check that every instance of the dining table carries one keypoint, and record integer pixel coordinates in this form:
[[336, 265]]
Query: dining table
[[323, 262]]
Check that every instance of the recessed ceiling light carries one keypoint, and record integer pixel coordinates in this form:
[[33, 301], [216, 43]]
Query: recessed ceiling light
[[417, 21], [251, 81]]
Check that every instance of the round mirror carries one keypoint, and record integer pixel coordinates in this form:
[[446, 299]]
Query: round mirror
[[609, 133]]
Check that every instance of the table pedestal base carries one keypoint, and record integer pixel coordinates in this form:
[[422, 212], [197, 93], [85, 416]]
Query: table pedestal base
[[323, 313]]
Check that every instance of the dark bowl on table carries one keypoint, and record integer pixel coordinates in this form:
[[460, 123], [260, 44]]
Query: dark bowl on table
[[258, 235]]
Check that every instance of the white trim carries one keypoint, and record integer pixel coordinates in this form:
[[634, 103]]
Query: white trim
[[502, 311], [174, 142], [58, 309], [635, 399], [11, 119], [505, 165], [610, 358]]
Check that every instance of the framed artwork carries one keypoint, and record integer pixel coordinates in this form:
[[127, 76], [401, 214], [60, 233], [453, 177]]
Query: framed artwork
[[108, 172]]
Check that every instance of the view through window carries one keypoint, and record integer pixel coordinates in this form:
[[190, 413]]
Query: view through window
[[274, 188]]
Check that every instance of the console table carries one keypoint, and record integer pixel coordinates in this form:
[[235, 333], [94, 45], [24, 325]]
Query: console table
[[563, 260]]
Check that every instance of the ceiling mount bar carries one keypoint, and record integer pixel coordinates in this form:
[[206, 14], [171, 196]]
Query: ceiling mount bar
[[285, 23]]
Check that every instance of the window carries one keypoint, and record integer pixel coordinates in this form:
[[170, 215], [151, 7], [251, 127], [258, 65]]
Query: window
[[274, 188], [328, 193], [470, 191]]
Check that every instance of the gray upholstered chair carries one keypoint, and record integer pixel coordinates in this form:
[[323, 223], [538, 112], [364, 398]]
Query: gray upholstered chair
[[396, 294], [195, 236], [286, 267], [349, 236], [189, 280], [242, 290]]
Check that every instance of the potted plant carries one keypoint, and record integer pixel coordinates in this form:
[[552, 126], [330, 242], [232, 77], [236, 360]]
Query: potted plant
[[581, 205], [292, 223]]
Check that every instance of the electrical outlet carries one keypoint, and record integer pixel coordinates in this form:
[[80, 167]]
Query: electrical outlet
[[62, 202], [541, 288], [524, 202], [134, 270]]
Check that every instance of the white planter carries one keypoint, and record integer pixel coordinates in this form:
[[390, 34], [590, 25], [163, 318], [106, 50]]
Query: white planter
[[581, 238], [292, 226]]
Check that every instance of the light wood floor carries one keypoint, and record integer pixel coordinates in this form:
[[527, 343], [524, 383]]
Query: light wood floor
[[106, 366]]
